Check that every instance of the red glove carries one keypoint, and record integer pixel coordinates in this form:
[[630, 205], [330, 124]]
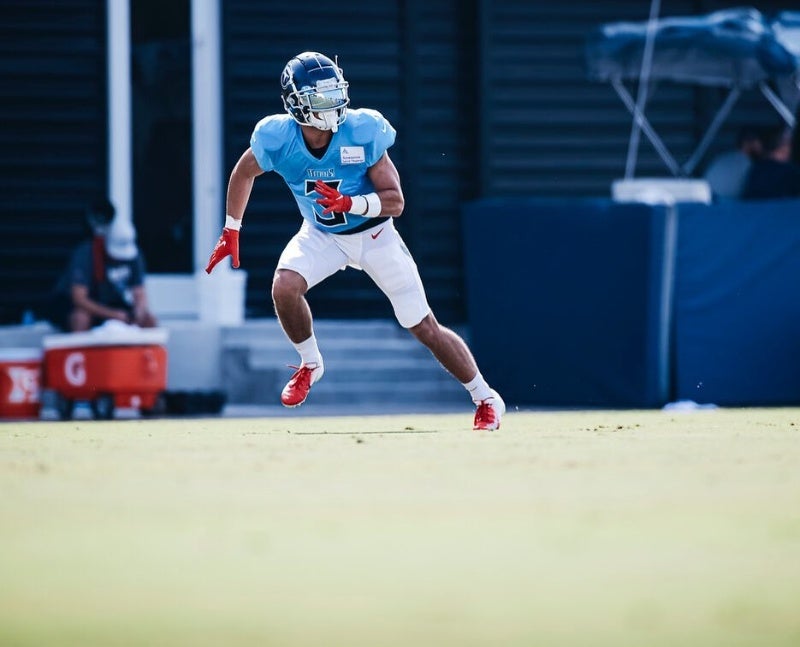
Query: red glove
[[227, 245], [331, 199]]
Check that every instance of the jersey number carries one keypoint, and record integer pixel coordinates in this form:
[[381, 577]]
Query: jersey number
[[333, 219]]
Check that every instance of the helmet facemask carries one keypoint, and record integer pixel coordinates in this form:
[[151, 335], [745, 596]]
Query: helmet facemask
[[315, 92]]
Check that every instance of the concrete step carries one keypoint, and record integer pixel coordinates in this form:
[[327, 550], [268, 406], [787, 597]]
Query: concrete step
[[366, 362], [264, 387], [371, 367], [355, 353], [333, 389], [326, 330], [377, 383]]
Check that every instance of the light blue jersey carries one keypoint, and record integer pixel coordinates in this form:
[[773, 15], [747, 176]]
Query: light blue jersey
[[360, 142]]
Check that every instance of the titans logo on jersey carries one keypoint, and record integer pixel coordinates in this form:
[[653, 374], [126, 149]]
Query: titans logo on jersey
[[277, 143]]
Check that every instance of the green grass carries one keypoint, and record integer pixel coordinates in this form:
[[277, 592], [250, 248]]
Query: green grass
[[642, 528]]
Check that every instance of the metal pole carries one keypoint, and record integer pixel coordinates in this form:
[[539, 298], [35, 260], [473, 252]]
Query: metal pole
[[646, 127], [641, 97], [716, 124], [118, 52], [207, 170], [779, 105]]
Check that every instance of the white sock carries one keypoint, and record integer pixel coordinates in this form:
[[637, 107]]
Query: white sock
[[478, 388], [309, 351]]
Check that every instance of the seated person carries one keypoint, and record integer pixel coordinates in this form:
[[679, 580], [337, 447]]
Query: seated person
[[727, 172], [774, 175], [104, 281]]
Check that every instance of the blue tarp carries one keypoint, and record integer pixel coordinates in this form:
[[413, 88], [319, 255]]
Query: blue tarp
[[574, 316], [736, 310], [734, 47], [603, 304]]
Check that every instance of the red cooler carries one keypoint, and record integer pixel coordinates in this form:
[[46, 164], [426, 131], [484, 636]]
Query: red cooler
[[113, 368], [20, 371]]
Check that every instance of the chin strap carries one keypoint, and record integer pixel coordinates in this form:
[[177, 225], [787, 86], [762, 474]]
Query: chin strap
[[328, 120]]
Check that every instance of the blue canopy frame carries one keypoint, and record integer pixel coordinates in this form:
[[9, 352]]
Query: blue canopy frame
[[737, 49]]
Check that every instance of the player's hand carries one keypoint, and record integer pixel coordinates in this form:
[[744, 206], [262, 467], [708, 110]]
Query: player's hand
[[331, 199], [121, 315], [227, 245]]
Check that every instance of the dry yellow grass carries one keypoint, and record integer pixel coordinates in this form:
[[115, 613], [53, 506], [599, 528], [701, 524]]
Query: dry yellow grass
[[641, 528]]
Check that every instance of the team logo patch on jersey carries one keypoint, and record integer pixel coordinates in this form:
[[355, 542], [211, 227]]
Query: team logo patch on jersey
[[352, 154]]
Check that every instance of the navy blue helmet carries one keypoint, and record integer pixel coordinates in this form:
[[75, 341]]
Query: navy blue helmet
[[314, 91]]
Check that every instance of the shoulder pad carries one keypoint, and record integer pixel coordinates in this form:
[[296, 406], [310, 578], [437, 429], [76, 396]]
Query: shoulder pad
[[273, 131], [366, 123]]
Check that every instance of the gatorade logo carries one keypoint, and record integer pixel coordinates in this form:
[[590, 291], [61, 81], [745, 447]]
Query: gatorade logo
[[24, 385], [75, 369]]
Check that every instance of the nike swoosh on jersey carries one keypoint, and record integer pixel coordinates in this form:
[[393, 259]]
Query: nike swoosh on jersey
[[374, 236]]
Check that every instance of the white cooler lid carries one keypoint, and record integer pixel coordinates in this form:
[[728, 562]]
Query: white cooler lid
[[108, 335], [20, 354]]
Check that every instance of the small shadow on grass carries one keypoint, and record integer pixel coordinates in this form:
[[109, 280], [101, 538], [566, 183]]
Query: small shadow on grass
[[363, 433]]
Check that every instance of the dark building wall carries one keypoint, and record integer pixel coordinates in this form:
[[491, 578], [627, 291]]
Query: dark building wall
[[53, 156], [548, 131]]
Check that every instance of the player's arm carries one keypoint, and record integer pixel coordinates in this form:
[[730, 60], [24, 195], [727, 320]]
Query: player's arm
[[81, 299], [386, 180], [141, 306], [240, 185], [386, 200]]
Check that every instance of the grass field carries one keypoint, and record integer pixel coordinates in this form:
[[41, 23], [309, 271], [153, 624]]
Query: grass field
[[643, 528]]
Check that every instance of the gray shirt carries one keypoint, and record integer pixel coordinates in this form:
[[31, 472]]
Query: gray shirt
[[727, 173]]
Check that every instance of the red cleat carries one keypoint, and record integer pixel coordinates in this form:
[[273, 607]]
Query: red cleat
[[296, 391], [489, 412]]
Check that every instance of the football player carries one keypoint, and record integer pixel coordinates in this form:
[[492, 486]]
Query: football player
[[335, 161]]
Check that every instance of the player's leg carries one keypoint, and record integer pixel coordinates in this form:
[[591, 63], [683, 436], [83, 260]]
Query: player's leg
[[450, 349], [294, 315], [455, 356], [79, 320], [389, 263], [309, 258], [291, 307]]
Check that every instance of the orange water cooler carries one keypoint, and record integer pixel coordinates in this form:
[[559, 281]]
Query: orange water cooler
[[20, 373], [108, 369]]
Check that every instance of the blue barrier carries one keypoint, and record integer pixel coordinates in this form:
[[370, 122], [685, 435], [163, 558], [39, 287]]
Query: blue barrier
[[567, 300], [598, 304], [737, 306]]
